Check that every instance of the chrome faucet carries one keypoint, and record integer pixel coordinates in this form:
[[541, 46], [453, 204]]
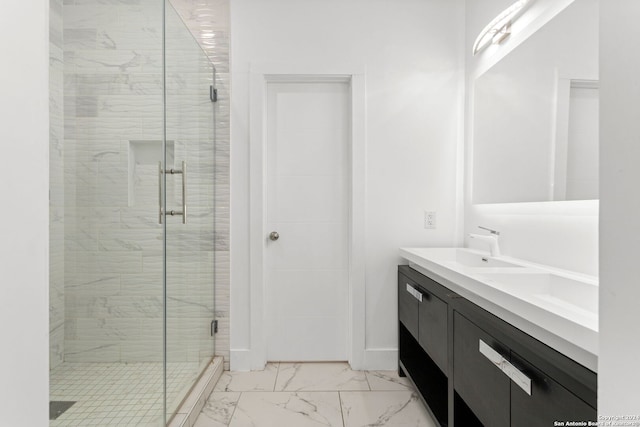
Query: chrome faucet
[[491, 240]]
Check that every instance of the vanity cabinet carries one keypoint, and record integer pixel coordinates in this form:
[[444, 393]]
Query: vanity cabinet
[[477, 379], [425, 317], [474, 369], [423, 340]]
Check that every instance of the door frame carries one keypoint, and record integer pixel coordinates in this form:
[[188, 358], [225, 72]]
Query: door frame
[[260, 76]]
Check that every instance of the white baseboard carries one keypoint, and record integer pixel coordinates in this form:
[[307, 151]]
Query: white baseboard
[[240, 360], [380, 359]]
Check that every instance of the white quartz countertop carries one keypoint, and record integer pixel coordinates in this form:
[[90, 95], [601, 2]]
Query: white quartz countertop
[[557, 307]]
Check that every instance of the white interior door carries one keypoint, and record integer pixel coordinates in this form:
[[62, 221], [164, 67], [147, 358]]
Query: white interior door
[[307, 193]]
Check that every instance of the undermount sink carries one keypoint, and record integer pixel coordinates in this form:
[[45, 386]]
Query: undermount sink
[[547, 289], [469, 258]]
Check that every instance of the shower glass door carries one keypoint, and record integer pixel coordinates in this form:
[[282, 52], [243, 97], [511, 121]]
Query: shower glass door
[[188, 180], [106, 137], [131, 286]]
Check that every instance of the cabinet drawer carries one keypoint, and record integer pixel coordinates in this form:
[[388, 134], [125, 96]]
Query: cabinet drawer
[[408, 304], [548, 402], [479, 382], [432, 329]]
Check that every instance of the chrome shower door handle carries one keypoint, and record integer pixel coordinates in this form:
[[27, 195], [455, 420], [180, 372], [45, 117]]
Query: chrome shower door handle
[[182, 172], [184, 192], [160, 210]]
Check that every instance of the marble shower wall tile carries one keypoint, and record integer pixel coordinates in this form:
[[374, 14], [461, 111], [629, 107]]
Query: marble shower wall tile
[[113, 84], [130, 239], [93, 284], [88, 16], [113, 307], [80, 38], [107, 263], [124, 329], [222, 302], [91, 351], [55, 23], [56, 347]]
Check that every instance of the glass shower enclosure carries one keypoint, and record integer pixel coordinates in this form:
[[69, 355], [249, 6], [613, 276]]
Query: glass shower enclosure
[[132, 212]]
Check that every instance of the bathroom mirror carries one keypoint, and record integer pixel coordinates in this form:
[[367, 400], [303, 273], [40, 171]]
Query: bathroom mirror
[[535, 132]]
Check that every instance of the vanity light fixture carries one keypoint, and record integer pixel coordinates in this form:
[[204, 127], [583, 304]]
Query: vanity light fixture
[[500, 27]]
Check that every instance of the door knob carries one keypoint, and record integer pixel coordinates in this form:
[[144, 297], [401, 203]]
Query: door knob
[[274, 235]]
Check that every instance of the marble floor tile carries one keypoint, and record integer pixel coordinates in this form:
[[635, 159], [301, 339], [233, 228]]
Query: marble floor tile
[[283, 409], [387, 380], [249, 381], [218, 410], [384, 408], [319, 377]]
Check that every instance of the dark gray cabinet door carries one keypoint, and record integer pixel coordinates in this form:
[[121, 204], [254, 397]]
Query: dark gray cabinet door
[[481, 384], [549, 401], [433, 329], [408, 305]]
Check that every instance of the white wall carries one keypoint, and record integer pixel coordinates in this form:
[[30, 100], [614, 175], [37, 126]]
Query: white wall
[[560, 234], [24, 252], [619, 375], [409, 49]]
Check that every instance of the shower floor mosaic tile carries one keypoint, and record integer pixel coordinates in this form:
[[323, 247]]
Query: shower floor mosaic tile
[[122, 394]]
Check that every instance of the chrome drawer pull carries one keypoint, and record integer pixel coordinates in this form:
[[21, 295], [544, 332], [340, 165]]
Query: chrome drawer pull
[[505, 366], [414, 292], [518, 377]]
